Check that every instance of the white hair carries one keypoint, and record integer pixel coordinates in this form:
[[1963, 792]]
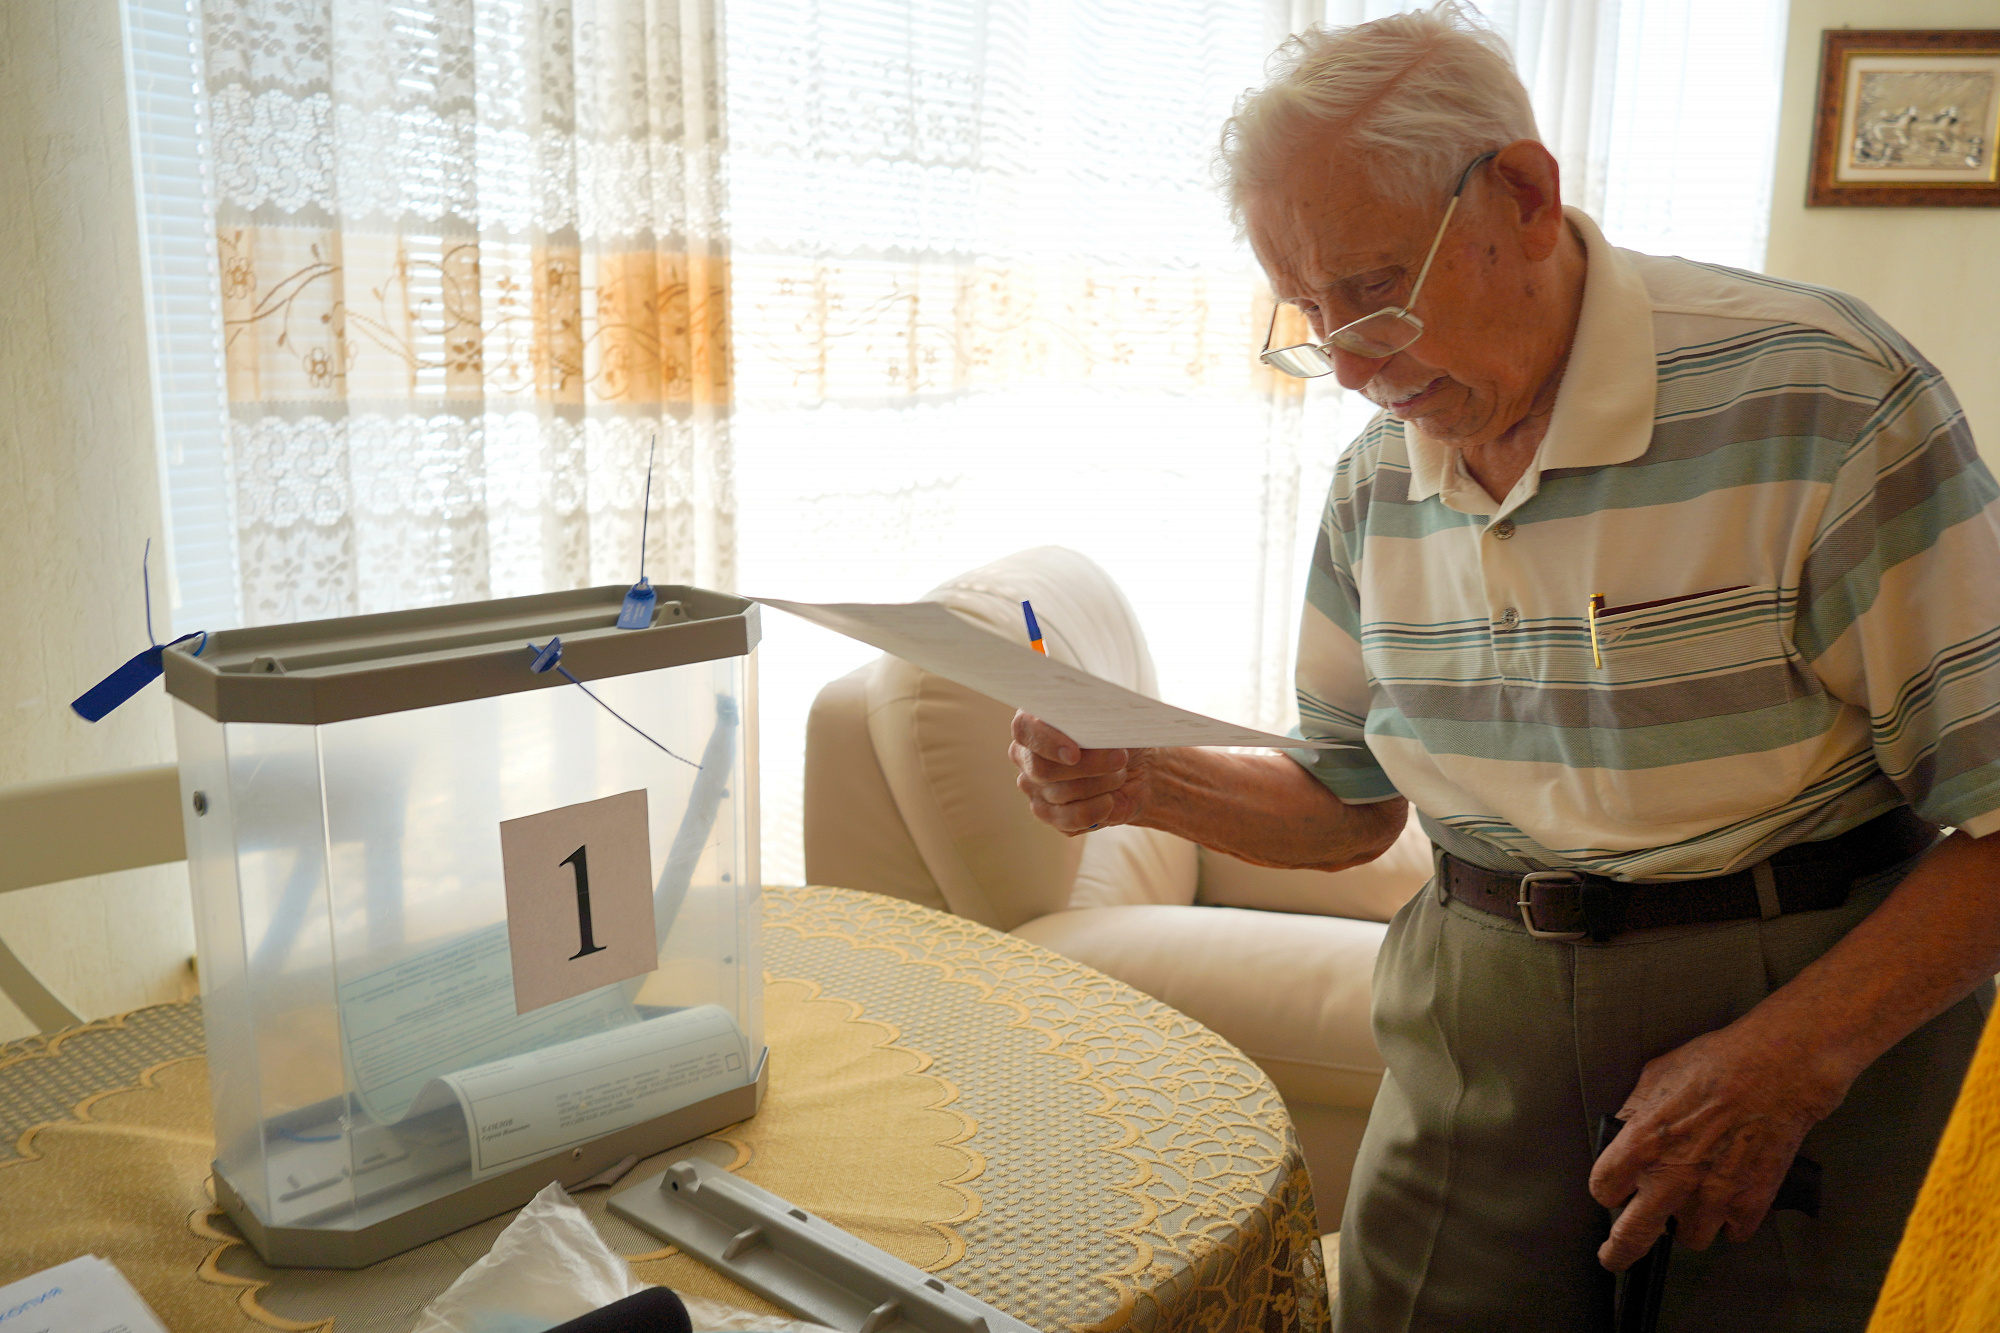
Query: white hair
[[1408, 100]]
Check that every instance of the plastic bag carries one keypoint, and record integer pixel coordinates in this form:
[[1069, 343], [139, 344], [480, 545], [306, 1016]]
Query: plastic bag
[[550, 1266]]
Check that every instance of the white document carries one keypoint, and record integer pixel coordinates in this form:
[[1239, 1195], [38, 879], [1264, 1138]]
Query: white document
[[529, 1105], [85, 1295], [1094, 713], [448, 1008]]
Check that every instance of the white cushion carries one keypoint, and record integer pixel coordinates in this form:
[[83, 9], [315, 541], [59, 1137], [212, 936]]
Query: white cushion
[[1372, 892], [942, 747], [1125, 865], [1290, 991]]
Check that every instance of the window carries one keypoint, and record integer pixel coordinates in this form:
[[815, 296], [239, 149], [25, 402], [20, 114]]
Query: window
[[981, 296]]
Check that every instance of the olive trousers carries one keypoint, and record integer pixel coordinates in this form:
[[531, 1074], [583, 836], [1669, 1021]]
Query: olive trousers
[[1471, 1209]]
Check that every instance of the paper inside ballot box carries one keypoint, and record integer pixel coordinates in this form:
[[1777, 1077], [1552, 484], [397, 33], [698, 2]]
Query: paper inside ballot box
[[1093, 712], [438, 1030], [527, 1106]]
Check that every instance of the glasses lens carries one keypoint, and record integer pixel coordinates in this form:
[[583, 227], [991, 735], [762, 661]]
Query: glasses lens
[[1384, 333], [1302, 360]]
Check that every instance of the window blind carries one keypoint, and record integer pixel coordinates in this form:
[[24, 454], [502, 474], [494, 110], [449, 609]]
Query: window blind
[[170, 148]]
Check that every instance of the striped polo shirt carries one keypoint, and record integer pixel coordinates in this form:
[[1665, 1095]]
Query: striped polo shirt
[[1798, 552]]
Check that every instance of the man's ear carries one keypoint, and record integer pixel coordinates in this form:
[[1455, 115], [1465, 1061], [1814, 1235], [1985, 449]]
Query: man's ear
[[1529, 178]]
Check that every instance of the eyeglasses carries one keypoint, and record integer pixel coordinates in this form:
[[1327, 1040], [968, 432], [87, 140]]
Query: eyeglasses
[[1384, 333]]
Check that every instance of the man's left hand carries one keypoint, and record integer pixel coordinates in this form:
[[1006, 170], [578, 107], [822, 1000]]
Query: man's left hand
[[1713, 1125], [1709, 1134]]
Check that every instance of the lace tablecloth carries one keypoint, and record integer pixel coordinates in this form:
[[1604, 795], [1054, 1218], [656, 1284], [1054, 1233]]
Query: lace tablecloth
[[1032, 1131]]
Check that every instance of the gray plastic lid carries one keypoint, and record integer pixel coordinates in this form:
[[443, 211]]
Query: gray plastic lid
[[320, 671]]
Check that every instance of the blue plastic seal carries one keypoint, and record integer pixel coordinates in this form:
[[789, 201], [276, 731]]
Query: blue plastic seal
[[637, 612]]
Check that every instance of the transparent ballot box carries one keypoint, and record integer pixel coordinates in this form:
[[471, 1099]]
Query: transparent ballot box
[[466, 926]]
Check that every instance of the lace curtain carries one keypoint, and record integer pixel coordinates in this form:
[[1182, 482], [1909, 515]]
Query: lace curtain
[[471, 266], [978, 294]]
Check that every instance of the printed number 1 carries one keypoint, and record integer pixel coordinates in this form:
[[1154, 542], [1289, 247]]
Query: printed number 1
[[581, 865]]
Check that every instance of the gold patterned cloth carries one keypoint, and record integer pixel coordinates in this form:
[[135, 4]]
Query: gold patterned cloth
[[1034, 1132], [1946, 1274]]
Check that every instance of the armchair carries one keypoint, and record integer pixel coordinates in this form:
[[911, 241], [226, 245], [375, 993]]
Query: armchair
[[909, 791]]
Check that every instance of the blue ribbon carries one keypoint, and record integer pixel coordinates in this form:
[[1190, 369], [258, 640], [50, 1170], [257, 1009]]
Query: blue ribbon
[[140, 670]]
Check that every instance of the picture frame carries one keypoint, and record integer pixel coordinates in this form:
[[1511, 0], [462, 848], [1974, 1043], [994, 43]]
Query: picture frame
[[1907, 118]]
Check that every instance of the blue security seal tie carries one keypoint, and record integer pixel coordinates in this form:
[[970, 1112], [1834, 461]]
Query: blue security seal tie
[[637, 612], [140, 670], [549, 658], [546, 657]]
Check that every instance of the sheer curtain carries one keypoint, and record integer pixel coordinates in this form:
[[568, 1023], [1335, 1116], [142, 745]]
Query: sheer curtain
[[972, 290], [986, 297], [470, 267]]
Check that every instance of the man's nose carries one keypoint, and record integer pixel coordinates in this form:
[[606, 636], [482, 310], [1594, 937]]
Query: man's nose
[[1352, 370]]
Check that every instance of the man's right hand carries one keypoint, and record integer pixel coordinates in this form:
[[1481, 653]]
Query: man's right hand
[[1073, 789]]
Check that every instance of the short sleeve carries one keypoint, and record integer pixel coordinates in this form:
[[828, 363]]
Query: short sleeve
[[1333, 689], [1899, 601]]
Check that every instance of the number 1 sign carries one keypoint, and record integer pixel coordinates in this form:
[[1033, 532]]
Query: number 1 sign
[[579, 898]]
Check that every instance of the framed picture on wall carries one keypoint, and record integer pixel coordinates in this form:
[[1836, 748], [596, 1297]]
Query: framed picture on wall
[[1908, 118]]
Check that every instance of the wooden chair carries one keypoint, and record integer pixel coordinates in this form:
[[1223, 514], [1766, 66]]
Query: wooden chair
[[64, 830]]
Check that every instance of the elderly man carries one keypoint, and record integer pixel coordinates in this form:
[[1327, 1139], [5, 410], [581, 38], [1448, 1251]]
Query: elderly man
[[1670, 598]]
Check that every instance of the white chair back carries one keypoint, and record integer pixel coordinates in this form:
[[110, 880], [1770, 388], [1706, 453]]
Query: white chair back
[[64, 830]]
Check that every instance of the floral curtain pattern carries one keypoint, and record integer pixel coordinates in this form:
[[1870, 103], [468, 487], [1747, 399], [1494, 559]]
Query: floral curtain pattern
[[472, 265]]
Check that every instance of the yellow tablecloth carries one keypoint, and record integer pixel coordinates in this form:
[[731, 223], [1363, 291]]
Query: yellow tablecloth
[[1036, 1133]]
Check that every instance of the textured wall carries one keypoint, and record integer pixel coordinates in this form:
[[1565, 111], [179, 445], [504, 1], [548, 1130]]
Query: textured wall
[[79, 489], [1934, 273]]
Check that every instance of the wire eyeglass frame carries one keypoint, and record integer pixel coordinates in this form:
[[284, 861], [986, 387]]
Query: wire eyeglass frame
[[1374, 336]]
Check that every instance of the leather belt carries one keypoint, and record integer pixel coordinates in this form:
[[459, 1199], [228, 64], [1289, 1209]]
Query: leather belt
[[1573, 905]]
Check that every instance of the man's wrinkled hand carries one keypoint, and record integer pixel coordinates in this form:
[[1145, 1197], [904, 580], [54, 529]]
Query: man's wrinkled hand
[[1073, 789], [1709, 1134]]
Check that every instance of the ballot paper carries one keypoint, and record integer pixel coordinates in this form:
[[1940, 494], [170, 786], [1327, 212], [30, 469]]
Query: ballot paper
[[439, 1029], [85, 1295], [448, 1008], [1092, 712], [526, 1106]]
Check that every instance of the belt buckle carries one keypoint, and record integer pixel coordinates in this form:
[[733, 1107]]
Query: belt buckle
[[1526, 903]]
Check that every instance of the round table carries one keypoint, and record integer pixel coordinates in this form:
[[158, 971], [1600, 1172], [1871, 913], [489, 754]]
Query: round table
[[1032, 1131]]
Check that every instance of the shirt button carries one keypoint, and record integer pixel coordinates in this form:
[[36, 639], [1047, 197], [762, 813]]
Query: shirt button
[[1509, 618], [1503, 529]]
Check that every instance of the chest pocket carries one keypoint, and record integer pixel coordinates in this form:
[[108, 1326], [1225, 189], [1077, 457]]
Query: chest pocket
[[1704, 678], [1695, 657]]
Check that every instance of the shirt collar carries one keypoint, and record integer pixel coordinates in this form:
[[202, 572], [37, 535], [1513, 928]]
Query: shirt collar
[[1604, 407]]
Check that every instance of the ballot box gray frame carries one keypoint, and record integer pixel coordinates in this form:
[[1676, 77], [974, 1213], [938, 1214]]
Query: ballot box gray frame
[[320, 671], [798, 1260], [370, 1242]]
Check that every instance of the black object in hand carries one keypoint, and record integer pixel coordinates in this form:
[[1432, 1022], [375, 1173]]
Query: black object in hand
[[1636, 1294]]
